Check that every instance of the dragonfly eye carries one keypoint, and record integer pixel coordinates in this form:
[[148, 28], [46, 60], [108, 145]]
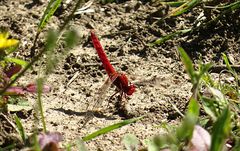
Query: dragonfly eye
[[131, 89]]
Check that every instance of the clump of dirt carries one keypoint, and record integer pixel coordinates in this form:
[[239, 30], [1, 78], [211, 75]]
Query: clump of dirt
[[125, 29]]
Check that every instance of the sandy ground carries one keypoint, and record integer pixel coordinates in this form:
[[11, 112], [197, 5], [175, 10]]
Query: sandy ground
[[124, 29]]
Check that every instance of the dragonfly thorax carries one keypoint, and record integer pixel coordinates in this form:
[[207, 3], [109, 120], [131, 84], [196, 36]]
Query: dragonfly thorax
[[122, 83]]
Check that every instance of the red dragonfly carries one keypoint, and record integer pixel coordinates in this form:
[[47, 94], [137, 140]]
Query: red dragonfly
[[120, 80]]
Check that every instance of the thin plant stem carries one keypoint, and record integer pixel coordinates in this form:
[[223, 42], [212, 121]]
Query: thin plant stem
[[40, 106], [71, 16], [36, 58]]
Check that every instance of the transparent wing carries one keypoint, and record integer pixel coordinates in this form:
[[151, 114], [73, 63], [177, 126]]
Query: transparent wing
[[102, 92], [100, 97]]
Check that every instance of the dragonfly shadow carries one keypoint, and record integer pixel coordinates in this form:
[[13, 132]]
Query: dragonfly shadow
[[86, 113]]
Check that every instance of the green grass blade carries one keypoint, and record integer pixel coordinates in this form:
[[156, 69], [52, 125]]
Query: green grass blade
[[235, 6], [169, 36], [221, 130], [110, 128], [20, 128], [11, 49], [188, 64], [40, 25], [48, 13], [184, 8], [173, 4], [231, 5]]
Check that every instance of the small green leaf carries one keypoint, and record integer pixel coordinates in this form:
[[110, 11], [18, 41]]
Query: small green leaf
[[221, 130], [20, 128], [131, 142], [51, 56], [68, 147], [204, 69], [20, 101], [51, 40], [80, 145], [188, 64], [209, 107], [193, 108], [225, 58], [219, 97], [164, 141], [71, 38], [184, 132], [110, 128], [151, 146], [17, 61]]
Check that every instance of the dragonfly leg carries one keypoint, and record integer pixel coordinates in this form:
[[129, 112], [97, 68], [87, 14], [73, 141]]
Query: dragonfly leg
[[108, 100]]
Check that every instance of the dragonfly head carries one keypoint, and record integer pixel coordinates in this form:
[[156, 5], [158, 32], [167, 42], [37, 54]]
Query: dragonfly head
[[124, 85], [130, 89]]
